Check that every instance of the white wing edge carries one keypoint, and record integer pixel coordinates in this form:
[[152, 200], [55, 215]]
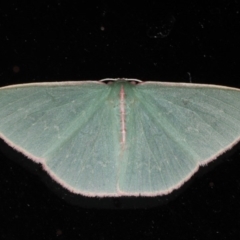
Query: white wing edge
[[170, 84], [183, 84], [22, 150], [68, 83]]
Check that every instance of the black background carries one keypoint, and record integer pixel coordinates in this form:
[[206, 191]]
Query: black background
[[191, 41]]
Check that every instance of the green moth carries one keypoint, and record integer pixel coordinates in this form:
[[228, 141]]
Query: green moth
[[120, 137]]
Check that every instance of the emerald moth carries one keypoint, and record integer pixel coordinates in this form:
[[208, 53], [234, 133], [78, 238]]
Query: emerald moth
[[120, 137]]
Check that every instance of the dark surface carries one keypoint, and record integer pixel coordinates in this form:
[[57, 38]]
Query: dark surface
[[173, 42]]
